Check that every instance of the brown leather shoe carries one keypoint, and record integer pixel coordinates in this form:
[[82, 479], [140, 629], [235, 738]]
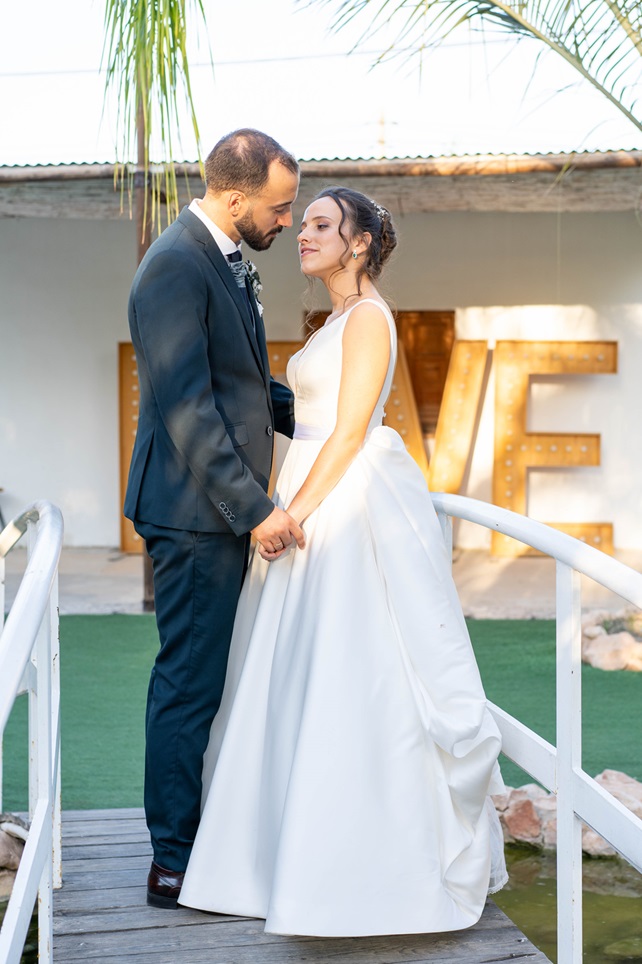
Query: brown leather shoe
[[163, 886]]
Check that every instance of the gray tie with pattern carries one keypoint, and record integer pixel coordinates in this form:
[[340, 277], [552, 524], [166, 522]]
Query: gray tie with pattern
[[238, 268]]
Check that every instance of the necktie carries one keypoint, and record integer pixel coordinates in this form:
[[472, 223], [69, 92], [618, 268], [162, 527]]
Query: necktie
[[238, 268]]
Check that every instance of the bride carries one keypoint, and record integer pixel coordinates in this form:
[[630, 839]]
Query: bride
[[347, 776]]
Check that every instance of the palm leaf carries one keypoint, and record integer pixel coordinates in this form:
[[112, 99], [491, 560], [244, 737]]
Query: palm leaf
[[601, 39], [146, 67]]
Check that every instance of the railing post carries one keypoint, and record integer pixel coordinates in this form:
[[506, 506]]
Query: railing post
[[44, 778], [2, 600], [569, 759], [54, 622], [29, 660]]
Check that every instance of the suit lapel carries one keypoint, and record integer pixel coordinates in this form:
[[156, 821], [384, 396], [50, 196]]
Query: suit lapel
[[259, 328], [196, 227]]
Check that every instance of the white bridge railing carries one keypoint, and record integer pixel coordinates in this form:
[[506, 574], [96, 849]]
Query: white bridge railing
[[29, 662], [559, 769]]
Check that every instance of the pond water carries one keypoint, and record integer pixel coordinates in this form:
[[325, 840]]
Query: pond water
[[612, 905]]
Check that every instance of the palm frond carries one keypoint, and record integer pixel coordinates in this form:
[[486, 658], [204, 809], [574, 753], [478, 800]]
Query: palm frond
[[601, 39], [146, 67]]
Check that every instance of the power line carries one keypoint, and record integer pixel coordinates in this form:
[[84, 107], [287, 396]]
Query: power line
[[263, 60]]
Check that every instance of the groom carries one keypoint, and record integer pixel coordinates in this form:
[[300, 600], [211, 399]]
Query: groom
[[201, 463]]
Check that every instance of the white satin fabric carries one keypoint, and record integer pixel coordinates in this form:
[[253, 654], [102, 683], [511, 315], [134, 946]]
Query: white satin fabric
[[346, 779]]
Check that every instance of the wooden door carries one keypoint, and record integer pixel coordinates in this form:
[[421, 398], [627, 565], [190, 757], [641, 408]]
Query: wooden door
[[130, 541], [428, 337]]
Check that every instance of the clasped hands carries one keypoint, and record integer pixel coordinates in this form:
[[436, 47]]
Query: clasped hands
[[277, 533]]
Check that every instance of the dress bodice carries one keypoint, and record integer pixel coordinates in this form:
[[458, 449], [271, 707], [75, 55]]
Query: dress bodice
[[314, 375]]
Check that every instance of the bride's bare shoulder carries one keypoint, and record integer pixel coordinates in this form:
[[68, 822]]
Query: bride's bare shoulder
[[368, 319]]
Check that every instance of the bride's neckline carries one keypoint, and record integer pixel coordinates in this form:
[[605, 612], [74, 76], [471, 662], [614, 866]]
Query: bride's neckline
[[328, 324]]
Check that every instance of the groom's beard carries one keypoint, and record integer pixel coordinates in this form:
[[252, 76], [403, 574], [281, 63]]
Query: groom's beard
[[247, 228]]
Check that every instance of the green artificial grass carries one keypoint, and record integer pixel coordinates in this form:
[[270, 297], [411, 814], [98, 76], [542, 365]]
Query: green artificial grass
[[517, 663], [105, 664]]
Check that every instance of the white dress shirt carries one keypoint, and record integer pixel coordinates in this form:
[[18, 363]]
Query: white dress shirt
[[225, 243]]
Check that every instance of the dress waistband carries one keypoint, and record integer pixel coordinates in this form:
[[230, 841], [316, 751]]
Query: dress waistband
[[311, 432]]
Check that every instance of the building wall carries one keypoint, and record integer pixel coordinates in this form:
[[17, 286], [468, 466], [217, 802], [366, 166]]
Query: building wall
[[64, 291]]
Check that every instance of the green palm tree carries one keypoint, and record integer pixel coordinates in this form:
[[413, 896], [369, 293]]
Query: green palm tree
[[601, 39], [146, 65]]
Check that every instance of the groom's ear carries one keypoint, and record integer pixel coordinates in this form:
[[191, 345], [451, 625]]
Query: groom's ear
[[236, 202]]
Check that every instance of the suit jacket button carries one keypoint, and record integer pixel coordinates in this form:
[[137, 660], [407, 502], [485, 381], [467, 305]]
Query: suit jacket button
[[269, 430]]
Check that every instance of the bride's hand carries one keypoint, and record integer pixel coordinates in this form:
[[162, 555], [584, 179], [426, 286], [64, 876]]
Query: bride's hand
[[277, 533]]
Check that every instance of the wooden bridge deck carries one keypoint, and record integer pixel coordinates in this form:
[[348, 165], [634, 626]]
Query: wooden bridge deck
[[100, 914]]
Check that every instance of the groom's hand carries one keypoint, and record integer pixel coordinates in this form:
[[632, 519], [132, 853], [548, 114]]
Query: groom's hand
[[276, 533]]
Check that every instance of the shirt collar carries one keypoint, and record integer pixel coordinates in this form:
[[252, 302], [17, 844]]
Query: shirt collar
[[224, 242]]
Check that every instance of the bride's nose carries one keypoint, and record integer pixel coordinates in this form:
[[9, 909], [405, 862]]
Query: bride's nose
[[300, 236]]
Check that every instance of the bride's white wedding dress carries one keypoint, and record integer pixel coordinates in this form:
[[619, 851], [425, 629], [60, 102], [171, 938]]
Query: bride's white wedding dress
[[346, 780]]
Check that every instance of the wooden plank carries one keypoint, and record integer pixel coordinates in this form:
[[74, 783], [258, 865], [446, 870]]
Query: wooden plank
[[244, 942], [118, 849], [69, 901], [458, 416], [132, 917], [86, 879], [107, 864], [97, 828], [114, 813], [101, 914], [96, 840]]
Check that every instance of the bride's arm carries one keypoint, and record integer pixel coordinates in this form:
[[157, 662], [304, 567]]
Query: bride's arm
[[366, 353]]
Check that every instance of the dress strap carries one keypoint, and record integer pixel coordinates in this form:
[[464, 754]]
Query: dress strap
[[387, 315]]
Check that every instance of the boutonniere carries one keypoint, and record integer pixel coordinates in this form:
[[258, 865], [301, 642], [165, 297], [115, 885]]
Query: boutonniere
[[255, 281]]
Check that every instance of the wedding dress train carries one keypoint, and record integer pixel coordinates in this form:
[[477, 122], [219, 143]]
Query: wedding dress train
[[348, 770]]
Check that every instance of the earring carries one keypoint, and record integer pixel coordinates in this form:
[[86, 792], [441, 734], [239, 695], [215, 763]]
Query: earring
[[355, 255]]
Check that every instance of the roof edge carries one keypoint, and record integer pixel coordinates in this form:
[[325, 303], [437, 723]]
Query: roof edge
[[474, 165]]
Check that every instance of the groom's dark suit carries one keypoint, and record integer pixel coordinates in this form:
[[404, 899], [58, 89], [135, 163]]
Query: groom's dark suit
[[197, 486]]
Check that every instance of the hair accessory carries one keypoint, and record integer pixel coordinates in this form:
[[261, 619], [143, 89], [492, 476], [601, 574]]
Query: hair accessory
[[354, 254], [380, 212]]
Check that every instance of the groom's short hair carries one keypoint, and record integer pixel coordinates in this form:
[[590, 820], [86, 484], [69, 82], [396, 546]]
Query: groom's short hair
[[241, 161]]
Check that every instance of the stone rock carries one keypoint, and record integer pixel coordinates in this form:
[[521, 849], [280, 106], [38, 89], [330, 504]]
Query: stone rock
[[528, 814], [591, 631], [594, 845], [501, 800], [10, 851], [629, 949], [611, 877], [14, 820], [522, 822], [597, 617], [624, 788], [7, 878], [613, 651], [549, 837]]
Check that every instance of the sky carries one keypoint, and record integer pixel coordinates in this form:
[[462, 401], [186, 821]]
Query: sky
[[279, 67]]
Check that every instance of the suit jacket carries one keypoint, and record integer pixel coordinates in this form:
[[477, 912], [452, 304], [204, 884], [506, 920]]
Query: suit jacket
[[208, 406]]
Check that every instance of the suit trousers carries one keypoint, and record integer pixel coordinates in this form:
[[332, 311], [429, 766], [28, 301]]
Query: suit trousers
[[197, 582]]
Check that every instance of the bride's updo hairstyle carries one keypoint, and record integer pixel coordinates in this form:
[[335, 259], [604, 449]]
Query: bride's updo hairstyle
[[361, 215]]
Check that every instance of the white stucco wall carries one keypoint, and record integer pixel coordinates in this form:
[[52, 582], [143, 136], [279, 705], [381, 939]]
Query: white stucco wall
[[64, 287]]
